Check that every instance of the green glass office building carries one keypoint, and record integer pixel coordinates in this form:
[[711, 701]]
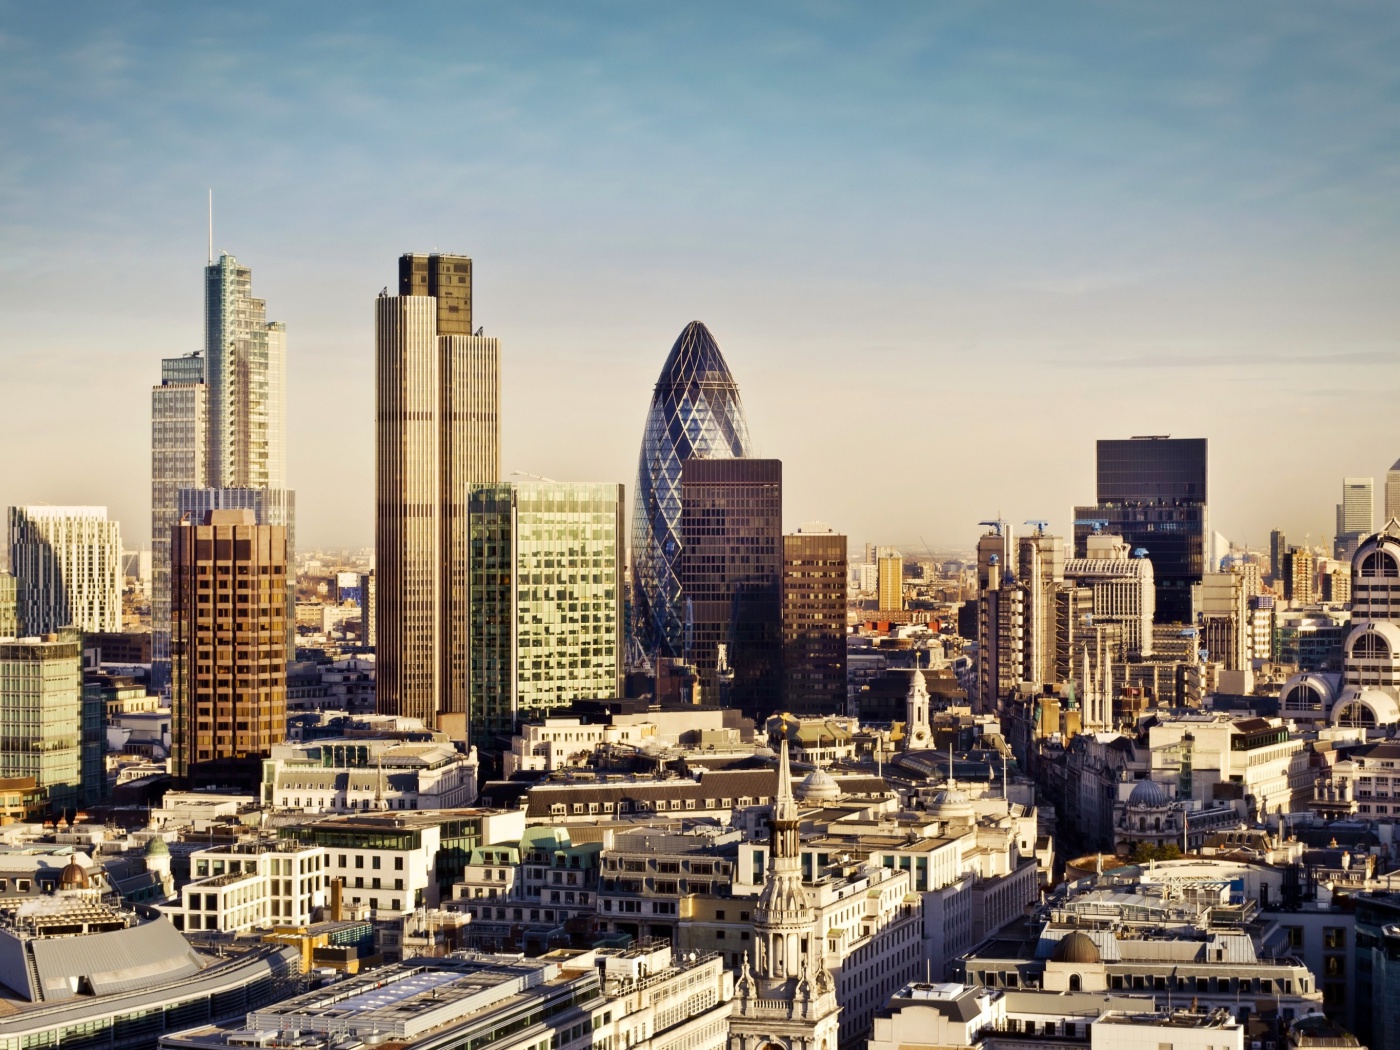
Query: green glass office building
[[546, 600]]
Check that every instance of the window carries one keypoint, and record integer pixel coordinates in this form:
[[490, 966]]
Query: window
[[1334, 937]]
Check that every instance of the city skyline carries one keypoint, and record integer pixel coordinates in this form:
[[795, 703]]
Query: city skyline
[[1170, 241]]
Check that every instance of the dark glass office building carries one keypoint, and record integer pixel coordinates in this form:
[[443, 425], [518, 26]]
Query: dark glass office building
[[1152, 491], [814, 623], [695, 414], [731, 531]]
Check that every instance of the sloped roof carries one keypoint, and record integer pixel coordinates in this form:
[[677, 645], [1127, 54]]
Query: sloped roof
[[126, 960]]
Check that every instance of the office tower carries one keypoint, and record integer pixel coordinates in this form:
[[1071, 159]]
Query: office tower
[[546, 601], [1278, 550], [890, 582], [814, 621], [228, 647], [1299, 569], [68, 561], [1224, 619], [695, 414], [1000, 605], [1152, 491], [731, 531], [437, 434], [1042, 572], [9, 606], [1262, 622], [1392, 493], [1355, 516], [1336, 586], [1123, 590], [41, 707], [246, 357], [179, 431]]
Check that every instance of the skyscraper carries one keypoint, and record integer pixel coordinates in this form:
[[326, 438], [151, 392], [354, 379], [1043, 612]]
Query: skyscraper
[[814, 622], [546, 600], [1392, 493], [695, 414], [247, 376], [1278, 550], [731, 532], [179, 432], [890, 582], [1152, 491], [1355, 515], [228, 647], [437, 434], [9, 606], [68, 560]]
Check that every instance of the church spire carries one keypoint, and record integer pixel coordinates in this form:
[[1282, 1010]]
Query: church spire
[[784, 802]]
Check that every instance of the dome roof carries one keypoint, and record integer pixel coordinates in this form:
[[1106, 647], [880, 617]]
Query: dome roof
[[952, 804], [819, 786], [1148, 793], [1078, 947], [157, 848], [73, 877]]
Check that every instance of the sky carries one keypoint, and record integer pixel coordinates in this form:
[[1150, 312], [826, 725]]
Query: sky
[[943, 246]]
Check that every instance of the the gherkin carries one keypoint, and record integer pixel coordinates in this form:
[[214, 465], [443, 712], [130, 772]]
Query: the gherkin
[[695, 414]]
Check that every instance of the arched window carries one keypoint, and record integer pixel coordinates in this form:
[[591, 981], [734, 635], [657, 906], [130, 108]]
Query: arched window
[[1379, 564], [1370, 646], [1356, 714], [1075, 983], [1303, 697]]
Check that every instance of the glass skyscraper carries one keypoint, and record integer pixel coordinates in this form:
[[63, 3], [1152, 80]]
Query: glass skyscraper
[[546, 600], [695, 414]]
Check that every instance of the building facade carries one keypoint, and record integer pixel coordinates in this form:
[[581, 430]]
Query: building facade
[[545, 600], [1153, 492], [731, 530], [228, 647], [695, 414], [41, 716], [437, 434], [179, 432], [814, 622], [68, 562]]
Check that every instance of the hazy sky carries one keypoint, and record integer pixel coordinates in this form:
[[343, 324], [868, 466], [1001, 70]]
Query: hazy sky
[[943, 246]]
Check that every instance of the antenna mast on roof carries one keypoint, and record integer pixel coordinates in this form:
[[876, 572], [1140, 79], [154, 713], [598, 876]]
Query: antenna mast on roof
[[211, 226]]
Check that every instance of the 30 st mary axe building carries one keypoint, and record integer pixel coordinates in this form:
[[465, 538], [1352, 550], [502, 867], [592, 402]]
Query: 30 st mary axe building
[[437, 434], [1152, 491], [731, 532], [546, 600], [695, 414], [814, 622], [68, 561], [228, 647]]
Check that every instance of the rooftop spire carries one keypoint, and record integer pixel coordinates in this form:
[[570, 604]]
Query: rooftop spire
[[784, 803]]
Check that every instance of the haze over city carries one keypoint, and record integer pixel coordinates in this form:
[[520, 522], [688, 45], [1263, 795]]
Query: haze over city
[[944, 249]]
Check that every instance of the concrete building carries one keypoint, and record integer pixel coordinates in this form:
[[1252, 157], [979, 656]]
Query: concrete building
[[731, 530], [1392, 494], [814, 621], [179, 433], [68, 562], [1223, 606], [9, 606], [889, 585], [245, 886], [1300, 576], [1355, 515], [363, 774], [546, 601], [228, 647], [41, 717], [437, 434]]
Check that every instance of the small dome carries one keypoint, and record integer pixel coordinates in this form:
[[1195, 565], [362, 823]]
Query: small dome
[[157, 848], [818, 786], [1076, 948], [73, 877], [1148, 793]]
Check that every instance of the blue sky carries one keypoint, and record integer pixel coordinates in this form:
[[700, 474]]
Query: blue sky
[[944, 246]]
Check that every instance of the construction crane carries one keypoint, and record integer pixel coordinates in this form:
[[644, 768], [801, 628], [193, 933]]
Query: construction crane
[[1040, 525], [1097, 524], [998, 525]]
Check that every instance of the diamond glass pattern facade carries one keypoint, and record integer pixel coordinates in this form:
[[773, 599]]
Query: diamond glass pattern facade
[[695, 414]]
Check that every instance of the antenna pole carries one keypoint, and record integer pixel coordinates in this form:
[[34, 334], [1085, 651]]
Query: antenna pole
[[211, 226]]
